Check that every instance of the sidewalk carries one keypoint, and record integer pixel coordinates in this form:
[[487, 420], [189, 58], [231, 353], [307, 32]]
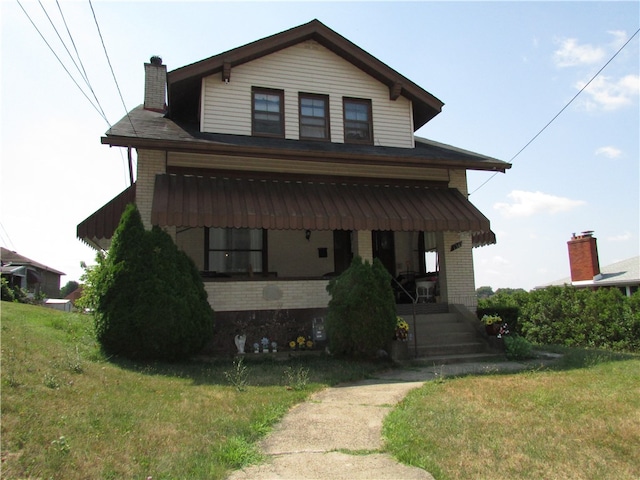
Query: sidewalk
[[337, 432]]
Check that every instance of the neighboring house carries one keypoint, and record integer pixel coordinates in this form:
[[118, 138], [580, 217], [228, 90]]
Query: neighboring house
[[587, 273], [62, 304], [33, 277], [274, 163]]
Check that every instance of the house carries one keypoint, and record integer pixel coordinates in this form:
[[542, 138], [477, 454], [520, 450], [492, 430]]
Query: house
[[272, 164], [586, 272], [62, 304], [33, 277]]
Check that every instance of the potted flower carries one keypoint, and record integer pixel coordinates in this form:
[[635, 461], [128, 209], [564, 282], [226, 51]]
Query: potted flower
[[256, 348], [402, 330], [492, 324], [265, 345]]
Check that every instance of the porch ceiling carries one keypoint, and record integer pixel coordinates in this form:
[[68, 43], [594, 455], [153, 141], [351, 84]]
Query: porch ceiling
[[193, 201]]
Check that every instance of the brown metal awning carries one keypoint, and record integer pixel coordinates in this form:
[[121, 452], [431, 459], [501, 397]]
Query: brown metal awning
[[100, 225], [192, 201]]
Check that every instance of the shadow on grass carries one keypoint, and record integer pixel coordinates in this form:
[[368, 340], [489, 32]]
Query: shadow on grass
[[575, 358], [267, 370]]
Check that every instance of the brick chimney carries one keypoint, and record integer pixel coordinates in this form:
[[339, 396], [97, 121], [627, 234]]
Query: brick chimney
[[583, 257], [155, 85]]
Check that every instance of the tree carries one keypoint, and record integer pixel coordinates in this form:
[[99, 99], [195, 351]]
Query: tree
[[148, 299], [69, 287], [362, 312], [484, 292]]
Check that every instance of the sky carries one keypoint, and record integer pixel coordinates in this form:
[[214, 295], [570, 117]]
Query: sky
[[503, 69]]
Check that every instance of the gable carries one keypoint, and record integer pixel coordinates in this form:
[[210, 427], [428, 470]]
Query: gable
[[306, 67], [184, 83]]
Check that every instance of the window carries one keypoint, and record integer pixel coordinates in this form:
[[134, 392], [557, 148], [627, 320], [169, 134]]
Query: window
[[235, 250], [314, 116], [267, 112], [358, 127]]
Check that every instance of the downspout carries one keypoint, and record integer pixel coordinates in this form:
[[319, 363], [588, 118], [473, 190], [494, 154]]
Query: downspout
[[130, 166]]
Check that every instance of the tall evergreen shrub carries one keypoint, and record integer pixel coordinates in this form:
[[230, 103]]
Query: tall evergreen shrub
[[362, 312], [148, 297]]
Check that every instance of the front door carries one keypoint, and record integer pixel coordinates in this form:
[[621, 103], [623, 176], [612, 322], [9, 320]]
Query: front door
[[342, 253], [384, 249]]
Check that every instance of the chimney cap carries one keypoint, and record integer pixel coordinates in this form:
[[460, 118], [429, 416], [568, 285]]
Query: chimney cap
[[587, 233], [156, 60]]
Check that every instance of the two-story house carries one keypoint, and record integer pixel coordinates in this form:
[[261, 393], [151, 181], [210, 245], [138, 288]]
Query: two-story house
[[271, 165]]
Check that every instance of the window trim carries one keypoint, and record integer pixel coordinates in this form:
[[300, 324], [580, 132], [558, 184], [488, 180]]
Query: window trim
[[361, 101], [268, 91], [327, 116]]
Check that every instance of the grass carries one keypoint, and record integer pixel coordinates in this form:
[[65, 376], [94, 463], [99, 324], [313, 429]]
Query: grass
[[580, 420], [69, 413]]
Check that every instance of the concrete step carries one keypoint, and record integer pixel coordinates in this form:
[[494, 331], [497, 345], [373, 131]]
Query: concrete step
[[449, 349], [434, 360]]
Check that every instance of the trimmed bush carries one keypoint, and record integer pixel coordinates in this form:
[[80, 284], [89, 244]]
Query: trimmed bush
[[362, 313], [517, 347], [149, 301]]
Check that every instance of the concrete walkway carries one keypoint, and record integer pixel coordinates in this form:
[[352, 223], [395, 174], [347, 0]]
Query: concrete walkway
[[337, 433]]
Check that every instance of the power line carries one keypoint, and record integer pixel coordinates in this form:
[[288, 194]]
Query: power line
[[111, 68], [561, 110], [13, 247], [84, 72], [62, 64]]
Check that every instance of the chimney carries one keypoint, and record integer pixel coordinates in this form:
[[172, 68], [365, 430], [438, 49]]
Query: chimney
[[583, 257], [155, 85]]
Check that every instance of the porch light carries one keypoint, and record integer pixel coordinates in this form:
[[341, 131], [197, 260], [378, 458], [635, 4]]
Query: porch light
[[307, 235]]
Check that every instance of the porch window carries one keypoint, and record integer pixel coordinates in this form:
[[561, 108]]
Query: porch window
[[267, 112], [358, 125], [235, 250], [314, 116]]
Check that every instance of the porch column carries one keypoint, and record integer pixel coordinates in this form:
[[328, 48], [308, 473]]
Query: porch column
[[457, 282], [150, 163], [363, 246]]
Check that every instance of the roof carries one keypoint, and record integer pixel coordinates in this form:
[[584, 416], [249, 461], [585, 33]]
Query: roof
[[625, 272], [11, 258], [151, 130], [184, 82]]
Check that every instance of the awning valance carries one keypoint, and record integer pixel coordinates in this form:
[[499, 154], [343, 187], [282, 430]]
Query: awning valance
[[194, 201]]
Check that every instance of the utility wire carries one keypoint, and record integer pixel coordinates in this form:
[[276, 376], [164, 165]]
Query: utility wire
[[111, 68], [62, 64], [561, 110], [13, 247], [84, 72]]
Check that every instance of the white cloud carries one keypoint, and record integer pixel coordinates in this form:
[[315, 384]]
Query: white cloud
[[526, 204], [619, 38], [620, 238], [571, 54], [610, 94], [609, 151]]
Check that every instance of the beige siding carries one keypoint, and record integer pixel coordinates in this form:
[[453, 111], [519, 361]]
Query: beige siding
[[195, 160], [292, 255], [191, 241], [150, 163], [311, 68]]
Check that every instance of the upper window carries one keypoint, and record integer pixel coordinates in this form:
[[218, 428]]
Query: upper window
[[314, 116], [267, 112], [358, 126]]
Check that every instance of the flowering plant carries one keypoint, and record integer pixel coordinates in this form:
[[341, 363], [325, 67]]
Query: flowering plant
[[301, 343], [491, 319], [504, 330], [402, 329]]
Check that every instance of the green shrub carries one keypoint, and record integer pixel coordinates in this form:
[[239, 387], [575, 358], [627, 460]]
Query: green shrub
[[517, 347], [148, 299], [361, 318]]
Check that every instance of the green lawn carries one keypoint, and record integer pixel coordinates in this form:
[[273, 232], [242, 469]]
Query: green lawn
[[580, 420], [68, 413]]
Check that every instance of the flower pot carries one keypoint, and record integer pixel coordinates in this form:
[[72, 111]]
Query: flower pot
[[492, 329]]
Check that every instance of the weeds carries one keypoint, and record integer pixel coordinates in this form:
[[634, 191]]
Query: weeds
[[239, 375], [296, 378]]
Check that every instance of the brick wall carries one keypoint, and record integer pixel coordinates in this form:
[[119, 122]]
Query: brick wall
[[155, 84], [583, 257], [150, 163], [267, 295], [457, 283]]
